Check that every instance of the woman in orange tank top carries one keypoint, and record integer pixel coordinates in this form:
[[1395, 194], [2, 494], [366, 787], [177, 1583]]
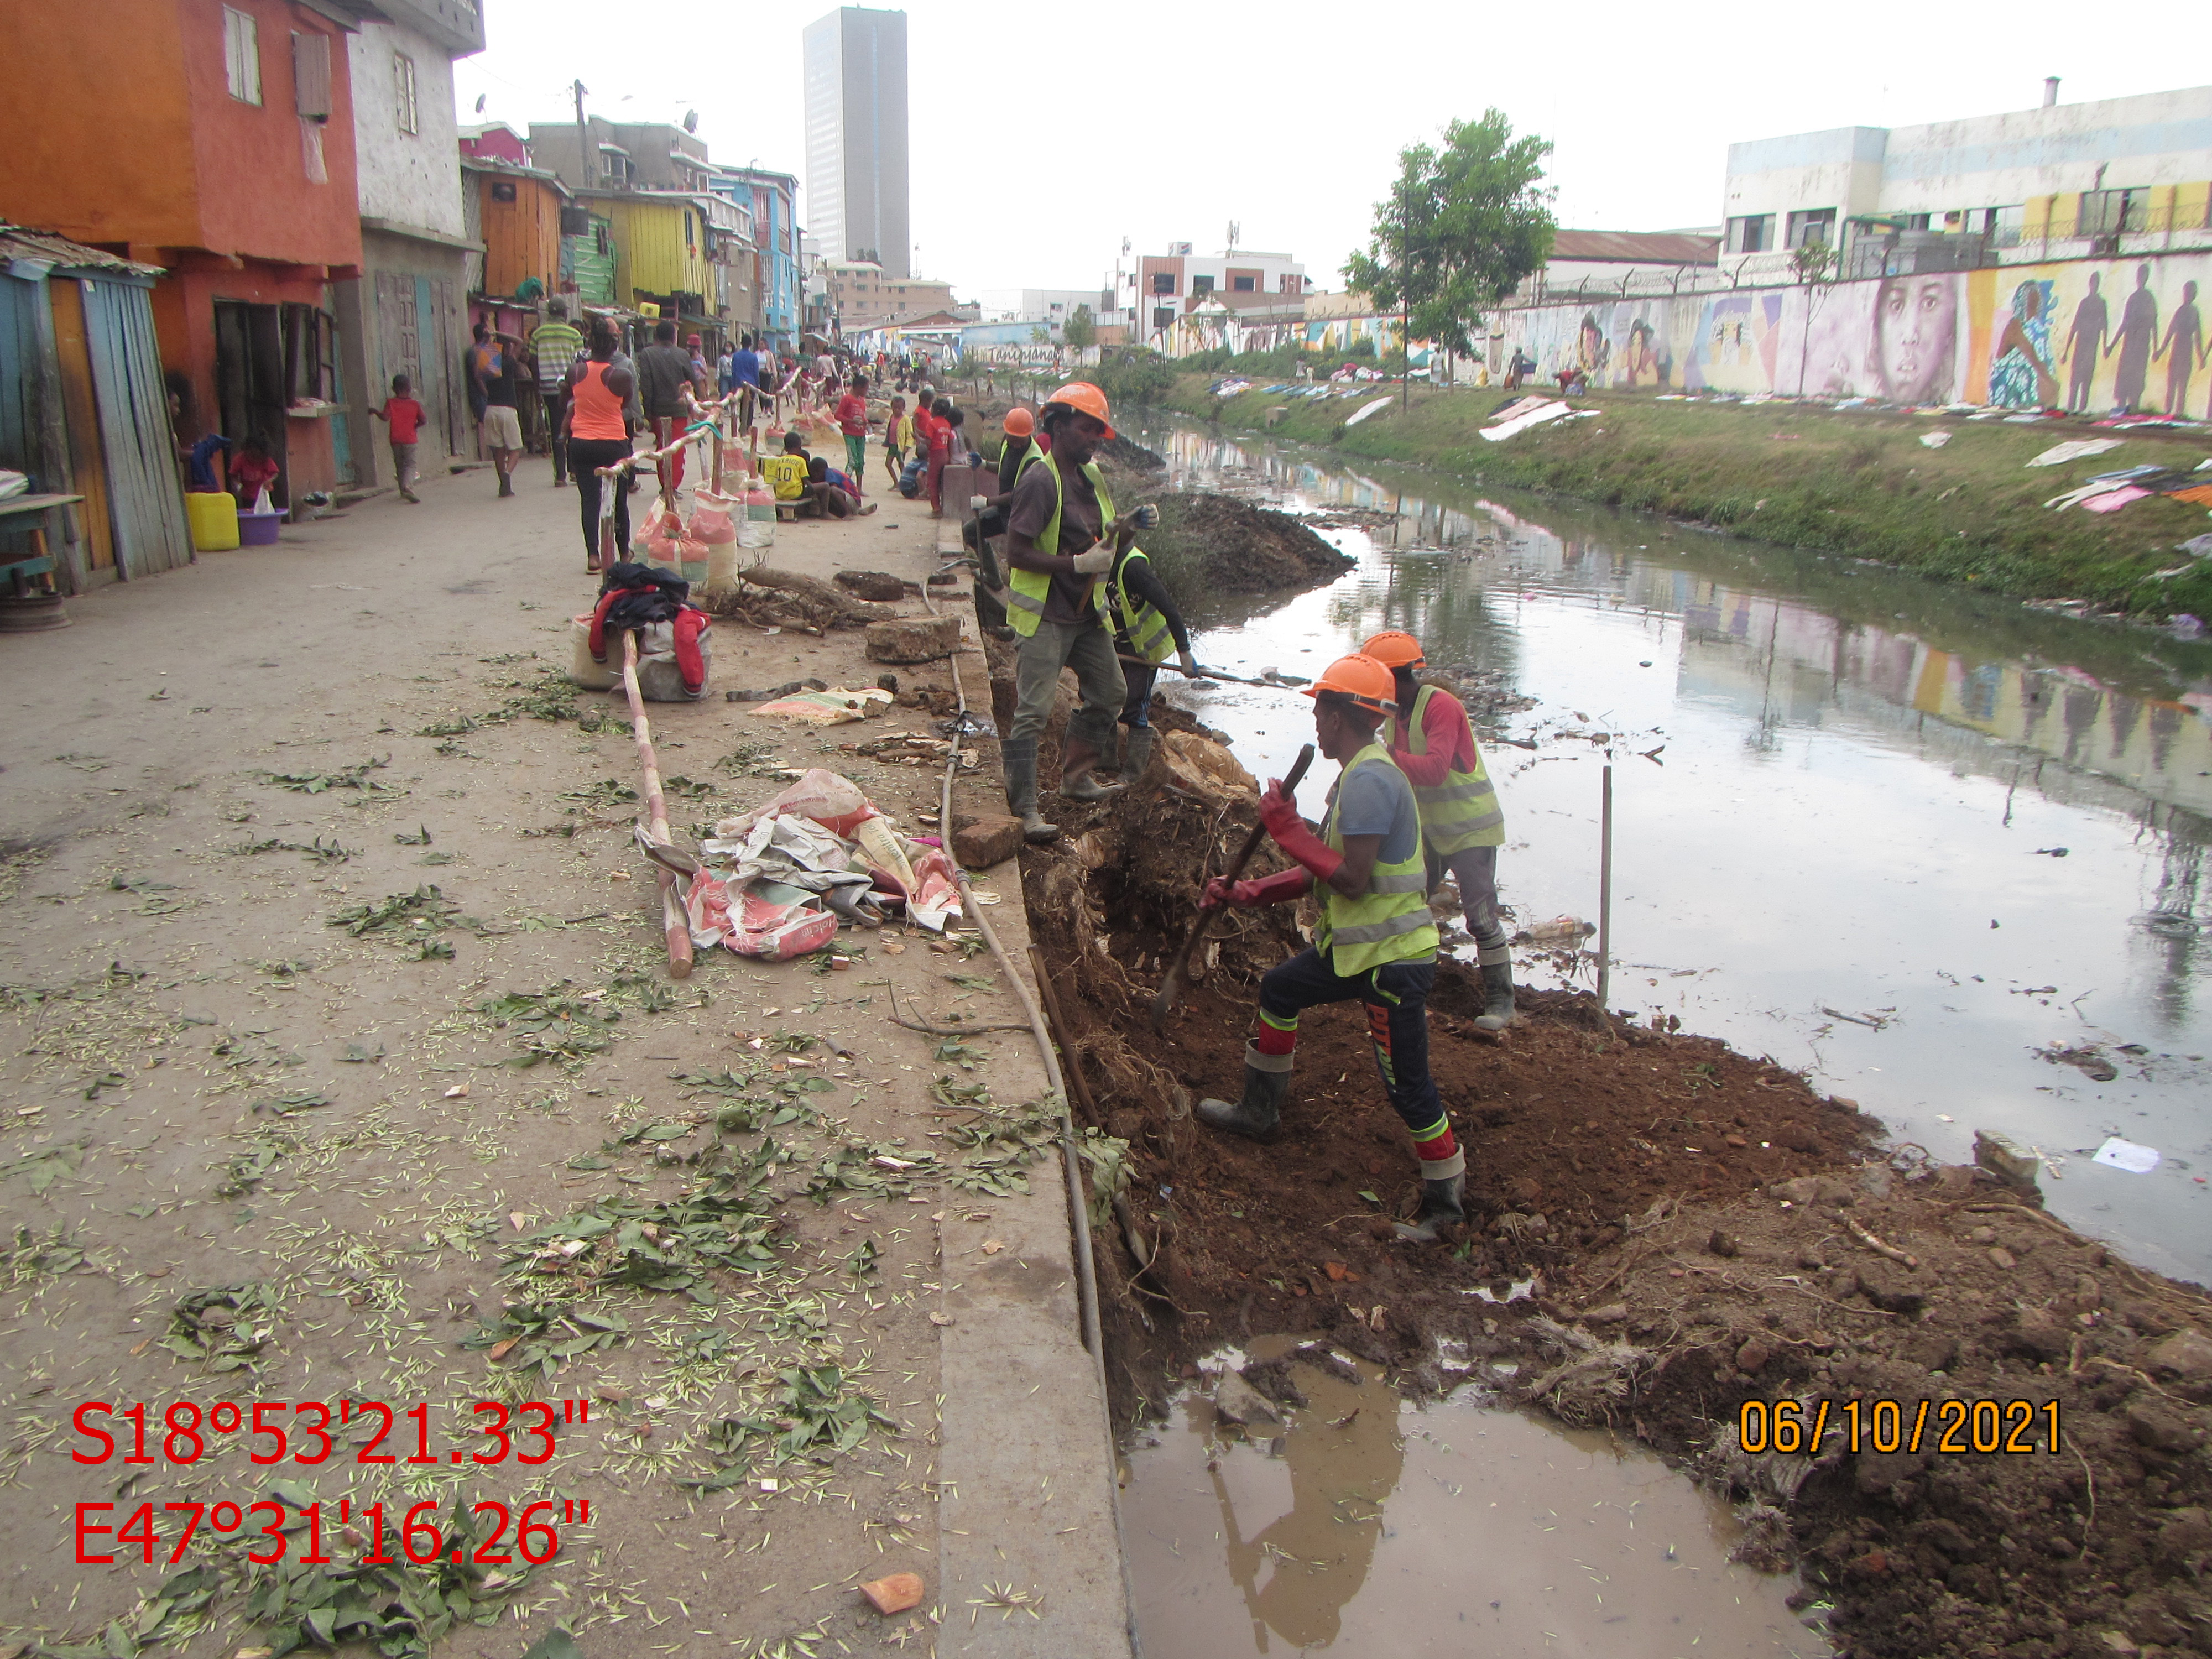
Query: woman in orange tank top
[[599, 435]]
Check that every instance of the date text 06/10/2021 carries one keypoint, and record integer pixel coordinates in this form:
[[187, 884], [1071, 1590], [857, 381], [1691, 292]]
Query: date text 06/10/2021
[[1953, 1427]]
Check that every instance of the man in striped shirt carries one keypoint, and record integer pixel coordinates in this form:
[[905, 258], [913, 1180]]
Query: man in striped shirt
[[557, 343]]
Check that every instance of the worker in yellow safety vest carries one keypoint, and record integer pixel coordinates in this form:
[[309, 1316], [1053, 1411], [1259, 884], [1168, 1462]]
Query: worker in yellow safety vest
[[1463, 826], [1061, 537], [1148, 629], [1377, 942]]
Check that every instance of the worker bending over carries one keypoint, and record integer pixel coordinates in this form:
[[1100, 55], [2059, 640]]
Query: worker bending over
[[1377, 941], [1463, 826], [1061, 537], [1147, 629]]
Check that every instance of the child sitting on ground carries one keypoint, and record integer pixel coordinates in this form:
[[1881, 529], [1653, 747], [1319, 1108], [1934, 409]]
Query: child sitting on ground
[[405, 416]]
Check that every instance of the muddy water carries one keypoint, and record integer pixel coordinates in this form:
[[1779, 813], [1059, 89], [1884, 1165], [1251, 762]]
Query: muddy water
[[1841, 849], [1370, 1528]]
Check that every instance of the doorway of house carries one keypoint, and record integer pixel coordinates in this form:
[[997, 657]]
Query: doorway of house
[[249, 382]]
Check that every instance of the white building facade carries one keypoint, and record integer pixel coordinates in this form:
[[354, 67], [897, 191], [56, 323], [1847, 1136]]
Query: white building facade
[[2119, 175]]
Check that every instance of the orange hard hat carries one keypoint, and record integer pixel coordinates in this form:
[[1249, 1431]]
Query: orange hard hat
[[1018, 424], [1394, 648], [1083, 395], [1360, 677]]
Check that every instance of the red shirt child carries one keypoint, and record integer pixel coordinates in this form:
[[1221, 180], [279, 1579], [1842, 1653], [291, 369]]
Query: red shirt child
[[852, 414], [251, 470], [405, 416]]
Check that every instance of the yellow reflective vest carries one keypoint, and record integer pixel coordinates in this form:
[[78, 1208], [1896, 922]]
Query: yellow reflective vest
[[1462, 812], [1390, 921], [1026, 589], [1144, 624]]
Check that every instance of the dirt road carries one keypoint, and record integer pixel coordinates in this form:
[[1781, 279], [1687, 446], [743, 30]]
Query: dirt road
[[343, 1067]]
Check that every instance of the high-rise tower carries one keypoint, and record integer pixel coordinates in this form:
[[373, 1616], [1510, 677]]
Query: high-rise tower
[[856, 176]]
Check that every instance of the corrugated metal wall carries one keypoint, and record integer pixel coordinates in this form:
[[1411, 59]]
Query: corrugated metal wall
[[146, 499]]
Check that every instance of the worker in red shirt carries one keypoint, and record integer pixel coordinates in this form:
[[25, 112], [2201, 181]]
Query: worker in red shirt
[[852, 415], [1463, 826]]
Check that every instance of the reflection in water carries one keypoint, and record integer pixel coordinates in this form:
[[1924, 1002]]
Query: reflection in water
[[1859, 790], [1370, 1528], [1316, 1554]]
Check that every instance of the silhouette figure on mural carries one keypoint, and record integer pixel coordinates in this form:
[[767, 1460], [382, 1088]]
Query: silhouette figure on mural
[[2083, 341], [2134, 338], [2185, 341]]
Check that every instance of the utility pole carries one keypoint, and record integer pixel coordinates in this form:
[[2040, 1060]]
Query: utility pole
[[586, 175]]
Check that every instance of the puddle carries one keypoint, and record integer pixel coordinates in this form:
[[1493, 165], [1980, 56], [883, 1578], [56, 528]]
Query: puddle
[[1842, 853], [1374, 1528]]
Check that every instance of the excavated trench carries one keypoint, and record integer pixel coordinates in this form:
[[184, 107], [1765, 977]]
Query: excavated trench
[[1662, 1230]]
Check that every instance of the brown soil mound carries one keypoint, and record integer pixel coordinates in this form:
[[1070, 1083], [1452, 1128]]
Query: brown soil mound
[[1697, 1225], [1127, 452], [1235, 547]]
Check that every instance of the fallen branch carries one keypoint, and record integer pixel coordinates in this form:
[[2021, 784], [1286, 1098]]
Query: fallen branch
[[1877, 1246]]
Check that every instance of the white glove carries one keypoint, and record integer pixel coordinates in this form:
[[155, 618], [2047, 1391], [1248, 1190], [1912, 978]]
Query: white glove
[[1096, 562], [977, 503]]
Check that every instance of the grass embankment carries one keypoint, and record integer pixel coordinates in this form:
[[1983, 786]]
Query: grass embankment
[[1857, 483]]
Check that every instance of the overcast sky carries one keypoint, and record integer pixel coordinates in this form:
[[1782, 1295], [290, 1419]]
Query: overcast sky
[[1043, 135]]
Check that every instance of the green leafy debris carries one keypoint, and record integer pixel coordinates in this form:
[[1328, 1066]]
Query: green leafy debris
[[223, 1327], [317, 783], [426, 907]]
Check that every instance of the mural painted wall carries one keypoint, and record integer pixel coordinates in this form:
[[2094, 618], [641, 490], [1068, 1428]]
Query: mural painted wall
[[2084, 335]]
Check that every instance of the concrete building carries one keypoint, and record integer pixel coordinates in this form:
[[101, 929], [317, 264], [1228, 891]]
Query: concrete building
[[2124, 175], [1049, 306], [856, 138], [625, 155], [1597, 261], [1168, 283], [405, 314], [230, 165], [772, 199], [862, 294]]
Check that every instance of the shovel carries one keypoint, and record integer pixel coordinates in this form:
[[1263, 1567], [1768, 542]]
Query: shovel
[[1178, 979]]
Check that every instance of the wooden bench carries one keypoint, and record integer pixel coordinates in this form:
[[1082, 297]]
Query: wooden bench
[[21, 573]]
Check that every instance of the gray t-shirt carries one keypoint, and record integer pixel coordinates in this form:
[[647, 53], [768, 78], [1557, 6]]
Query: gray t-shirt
[[1376, 800]]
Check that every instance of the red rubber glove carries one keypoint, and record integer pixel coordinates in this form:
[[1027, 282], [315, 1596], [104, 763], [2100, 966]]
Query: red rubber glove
[[1279, 889], [1279, 813]]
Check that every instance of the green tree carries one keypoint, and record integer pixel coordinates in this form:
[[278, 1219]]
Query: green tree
[[1464, 223], [1081, 331]]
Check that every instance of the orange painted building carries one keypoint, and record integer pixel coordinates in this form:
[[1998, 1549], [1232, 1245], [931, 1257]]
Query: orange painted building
[[216, 140]]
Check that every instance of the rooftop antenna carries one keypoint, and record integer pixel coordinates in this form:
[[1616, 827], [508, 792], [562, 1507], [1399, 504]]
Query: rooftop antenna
[[1233, 229]]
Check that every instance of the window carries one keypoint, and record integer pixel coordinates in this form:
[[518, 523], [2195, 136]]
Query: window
[[1816, 225], [1201, 285], [502, 190], [1752, 233], [311, 76], [690, 235], [2113, 212], [1164, 282], [241, 55], [310, 353], [1245, 285], [403, 92], [1162, 316]]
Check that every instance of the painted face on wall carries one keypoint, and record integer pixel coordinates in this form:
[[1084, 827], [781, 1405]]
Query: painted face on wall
[[1916, 330]]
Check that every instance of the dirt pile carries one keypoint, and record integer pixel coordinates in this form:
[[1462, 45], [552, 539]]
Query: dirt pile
[[1661, 1230], [1222, 544]]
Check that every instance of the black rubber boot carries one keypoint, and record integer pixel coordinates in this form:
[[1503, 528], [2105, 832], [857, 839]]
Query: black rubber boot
[[1497, 994], [1019, 758], [1442, 1207], [1136, 752], [1261, 1109]]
